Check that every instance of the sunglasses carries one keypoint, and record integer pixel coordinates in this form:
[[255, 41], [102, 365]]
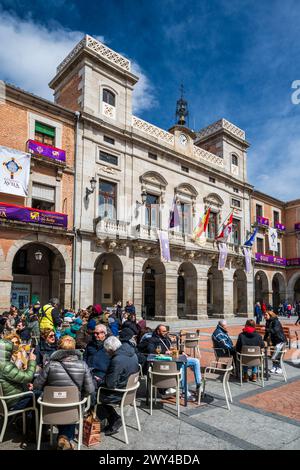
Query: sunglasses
[[51, 336]]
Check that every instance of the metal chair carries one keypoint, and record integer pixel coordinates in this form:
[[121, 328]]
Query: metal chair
[[281, 354], [251, 356], [191, 341], [218, 370], [61, 405], [164, 374], [6, 413], [128, 399]]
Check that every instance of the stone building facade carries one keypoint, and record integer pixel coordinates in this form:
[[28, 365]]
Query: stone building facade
[[36, 258], [128, 173]]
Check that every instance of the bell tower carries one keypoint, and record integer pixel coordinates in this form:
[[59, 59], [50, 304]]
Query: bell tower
[[182, 113]]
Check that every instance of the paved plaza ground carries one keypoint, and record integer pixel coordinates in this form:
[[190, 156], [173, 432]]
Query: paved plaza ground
[[260, 418]]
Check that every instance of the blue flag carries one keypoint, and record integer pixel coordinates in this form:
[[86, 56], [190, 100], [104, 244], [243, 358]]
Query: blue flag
[[251, 239]]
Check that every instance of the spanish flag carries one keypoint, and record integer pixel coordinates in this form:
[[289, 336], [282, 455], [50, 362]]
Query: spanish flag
[[201, 226]]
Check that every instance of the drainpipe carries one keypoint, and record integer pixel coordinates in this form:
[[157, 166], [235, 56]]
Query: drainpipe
[[75, 228]]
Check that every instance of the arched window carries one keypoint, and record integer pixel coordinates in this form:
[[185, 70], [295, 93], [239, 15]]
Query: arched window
[[235, 160], [109, 97]]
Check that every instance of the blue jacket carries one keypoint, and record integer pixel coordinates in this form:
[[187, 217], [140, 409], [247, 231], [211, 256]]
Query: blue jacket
[[96, 358], [257, 312], [221, 339]]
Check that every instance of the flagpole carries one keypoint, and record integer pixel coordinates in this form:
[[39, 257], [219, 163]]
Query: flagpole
[[221, 226]]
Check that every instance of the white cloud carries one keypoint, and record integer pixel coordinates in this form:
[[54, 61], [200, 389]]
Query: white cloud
[[30, 53]]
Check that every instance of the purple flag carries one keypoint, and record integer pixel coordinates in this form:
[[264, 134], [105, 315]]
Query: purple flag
[[164, 246], [48, 151], [247, 254], [223, 256], [174, 216]]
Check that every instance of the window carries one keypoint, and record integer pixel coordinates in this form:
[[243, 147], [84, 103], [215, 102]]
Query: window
[[259, 245], [20, 262], [109, 140], [44, 133], [43, 197], [212, 180], [152, 211], [185, 169], [236, 231], [235, 190], [234, 160], [212, 226], [109, 97], [235, 202], [184, 211], [152, 156], [276, 217], [107, 158], [258, 210], [107, 199]]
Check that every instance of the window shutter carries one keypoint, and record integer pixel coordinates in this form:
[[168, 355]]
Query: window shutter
[[41, 191], [44, 129]]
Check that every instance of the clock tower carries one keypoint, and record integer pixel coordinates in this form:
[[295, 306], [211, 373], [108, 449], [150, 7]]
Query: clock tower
[[184, 137]]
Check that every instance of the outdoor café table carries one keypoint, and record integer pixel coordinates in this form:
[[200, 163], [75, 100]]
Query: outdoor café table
[[182, 359]]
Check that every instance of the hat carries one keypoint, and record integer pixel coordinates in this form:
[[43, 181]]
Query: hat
[[69, 314], [126, 334], [98, 308], [91, 325], [77, 321]]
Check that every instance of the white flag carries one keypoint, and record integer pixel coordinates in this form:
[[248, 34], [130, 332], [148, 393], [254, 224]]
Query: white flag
[[14, 171], [222, 256], [273, 239]]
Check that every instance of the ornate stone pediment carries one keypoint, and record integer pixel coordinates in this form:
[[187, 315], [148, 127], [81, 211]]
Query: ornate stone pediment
[[214, 200], [186, 189], [153, 179]]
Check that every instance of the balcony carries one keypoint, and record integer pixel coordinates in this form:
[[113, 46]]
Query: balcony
[[269, 259], [262, 221], [280, 227], [112, 227], [11, 212], [46, 152], [293, 262], [297, 227]]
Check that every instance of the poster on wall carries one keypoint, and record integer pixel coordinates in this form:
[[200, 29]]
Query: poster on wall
[[14, 171], [20, 295]]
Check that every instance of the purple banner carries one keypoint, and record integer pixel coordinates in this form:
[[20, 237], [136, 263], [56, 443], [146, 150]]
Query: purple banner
[[44, 150], [222, 256], [247, 254], [293, 262], [164, 246], [280, 226], [34, 216], [262, 220], [297, 226], [270, 259]]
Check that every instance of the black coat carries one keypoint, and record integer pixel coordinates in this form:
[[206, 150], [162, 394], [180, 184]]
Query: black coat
[[132, 325], [274, 331], [249, 339], [43, 352], [96, 357], [151, 344]]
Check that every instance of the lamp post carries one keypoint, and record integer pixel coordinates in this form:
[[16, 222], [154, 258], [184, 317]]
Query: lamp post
[[93, 183]]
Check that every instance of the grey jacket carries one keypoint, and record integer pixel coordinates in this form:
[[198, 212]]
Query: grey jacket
[[55, 374]]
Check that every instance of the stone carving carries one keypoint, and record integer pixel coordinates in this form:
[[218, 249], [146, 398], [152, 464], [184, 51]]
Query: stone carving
[[108, 110], [221, 124], [107, 169], [208, 157], [100, 49], [154, 131]]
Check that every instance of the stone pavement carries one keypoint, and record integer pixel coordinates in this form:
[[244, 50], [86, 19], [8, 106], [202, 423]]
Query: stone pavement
[[260, 418]]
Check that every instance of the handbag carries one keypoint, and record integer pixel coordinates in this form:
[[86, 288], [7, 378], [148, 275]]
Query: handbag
[[91, 430]]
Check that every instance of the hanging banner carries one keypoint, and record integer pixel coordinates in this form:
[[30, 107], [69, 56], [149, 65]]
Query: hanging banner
[[273, 239], [37, 148], [174, 221], [34, 216], [14, 171], [222, 256], [164, 246], [247, 254]]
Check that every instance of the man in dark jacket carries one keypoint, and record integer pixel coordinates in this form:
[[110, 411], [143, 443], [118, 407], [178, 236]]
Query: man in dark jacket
[[274, 333], [128, 340], [249, 337], [221, 340], [124, 363], [66, 369], [132, 324], [95, 355]]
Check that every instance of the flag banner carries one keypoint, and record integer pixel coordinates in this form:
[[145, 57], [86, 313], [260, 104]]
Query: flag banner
[[280, 226], [201, 226], [164, 246], [44, 150], [273, 239], [262, 220], [262, 258], [251, 239], [34, 216], [226, 231], [14, 171], [222, 256], [247, 254], [174, 216]]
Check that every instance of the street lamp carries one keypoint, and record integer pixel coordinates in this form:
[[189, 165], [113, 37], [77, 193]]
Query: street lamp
[[104, 266], [88, 191], [181, 272], [148, 270], [38, 256]]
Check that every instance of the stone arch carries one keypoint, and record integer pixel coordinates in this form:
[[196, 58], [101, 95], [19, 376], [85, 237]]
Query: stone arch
[[240, 298], [215, 292], [278, 290], [108, 279], [262, 287], [154, 288], [293, 289], [186, 290]]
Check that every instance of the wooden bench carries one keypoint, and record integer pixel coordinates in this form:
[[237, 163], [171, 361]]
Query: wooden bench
[[290, 335]]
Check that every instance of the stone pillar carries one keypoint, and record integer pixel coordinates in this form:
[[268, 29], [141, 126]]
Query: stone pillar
[[168, 311], [67, 287], [5, 291], [201, 313], [228, 308], [86, 292]]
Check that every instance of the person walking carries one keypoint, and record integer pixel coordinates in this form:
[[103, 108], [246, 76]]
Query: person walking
[[258, 313], [274, 334], [49, 316]]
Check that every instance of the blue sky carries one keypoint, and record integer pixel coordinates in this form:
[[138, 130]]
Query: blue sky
[[237, 59]]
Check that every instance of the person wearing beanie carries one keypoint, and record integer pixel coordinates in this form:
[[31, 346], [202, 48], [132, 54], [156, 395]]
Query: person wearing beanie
[[249, 337], [74, 328]]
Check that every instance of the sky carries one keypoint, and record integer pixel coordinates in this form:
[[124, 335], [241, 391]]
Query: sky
[[237, 60]]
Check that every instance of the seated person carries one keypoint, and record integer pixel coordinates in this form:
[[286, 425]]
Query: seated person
[[20, 352], [46, 347], [128, 339], [221, 340], [161, 340], [95, 355], [123, 363], [249, 337], [113, 324], [85, 335], [66, 369], [23, 331], [132, 324]]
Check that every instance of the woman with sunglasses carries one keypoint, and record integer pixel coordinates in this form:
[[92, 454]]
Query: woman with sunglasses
[[46, 347]]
